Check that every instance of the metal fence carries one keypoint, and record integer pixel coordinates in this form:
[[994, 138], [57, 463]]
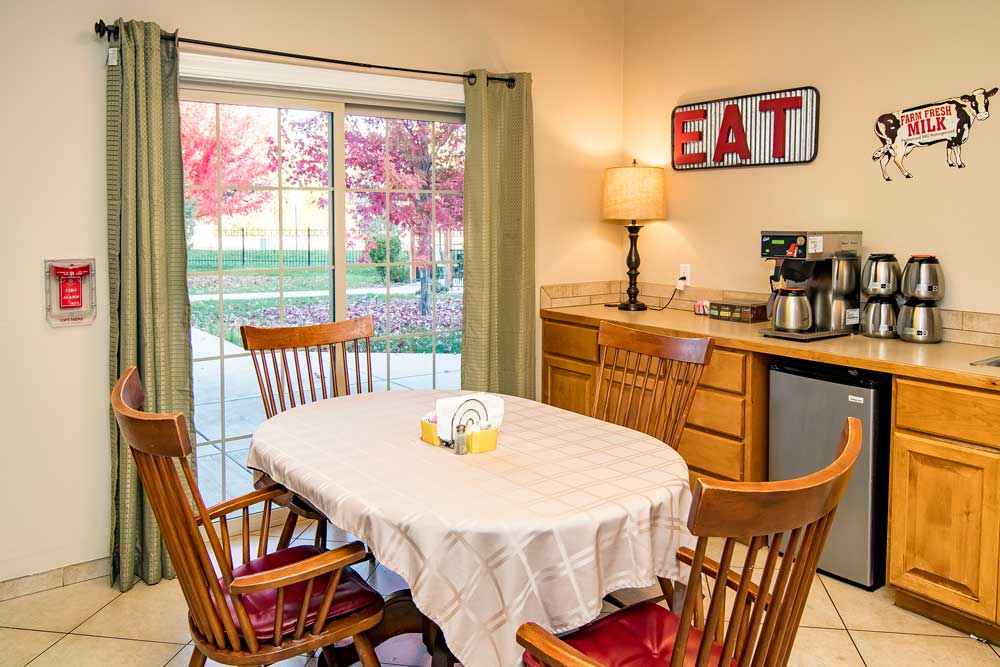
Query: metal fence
[[257, 249]]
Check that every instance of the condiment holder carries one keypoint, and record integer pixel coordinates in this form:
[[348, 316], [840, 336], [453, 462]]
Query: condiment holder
[[468, 424]]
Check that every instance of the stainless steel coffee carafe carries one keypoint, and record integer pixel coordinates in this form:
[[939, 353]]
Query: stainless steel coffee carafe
[[923, 278], [879, 317], [792, 311], [919, 322], [880, 275]]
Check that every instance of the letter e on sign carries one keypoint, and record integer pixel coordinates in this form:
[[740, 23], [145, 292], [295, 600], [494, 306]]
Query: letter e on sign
[[780, 127], [682, 138]]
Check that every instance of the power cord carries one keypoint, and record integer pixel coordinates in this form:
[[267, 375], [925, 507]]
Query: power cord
[[664, 306]]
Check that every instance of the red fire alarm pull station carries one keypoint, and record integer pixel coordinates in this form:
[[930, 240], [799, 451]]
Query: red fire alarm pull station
[[70, 292]]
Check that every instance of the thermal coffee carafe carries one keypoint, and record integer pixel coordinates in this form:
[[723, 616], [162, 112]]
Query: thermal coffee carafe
[[923, 286], [880, 283], [825, 267]]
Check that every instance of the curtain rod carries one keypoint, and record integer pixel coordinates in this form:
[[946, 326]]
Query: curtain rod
[[102, 29]]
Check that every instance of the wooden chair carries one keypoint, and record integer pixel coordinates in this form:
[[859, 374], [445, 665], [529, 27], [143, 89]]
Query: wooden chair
[[647, 381], [792, 517], [298, 365], [270, 606]]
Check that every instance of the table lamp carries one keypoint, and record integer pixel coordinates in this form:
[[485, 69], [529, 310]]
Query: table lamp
[[633, 194]]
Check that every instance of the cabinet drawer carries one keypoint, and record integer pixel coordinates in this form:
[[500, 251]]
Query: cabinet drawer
[[713, 454], [569, 340], [954, 412], [726, 371], [715, 411], [944, 542]]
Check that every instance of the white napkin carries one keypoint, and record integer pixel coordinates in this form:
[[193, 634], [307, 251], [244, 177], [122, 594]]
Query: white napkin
[[481, 409]]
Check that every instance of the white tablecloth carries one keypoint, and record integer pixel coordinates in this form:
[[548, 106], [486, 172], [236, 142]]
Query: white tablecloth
[[567, 509]]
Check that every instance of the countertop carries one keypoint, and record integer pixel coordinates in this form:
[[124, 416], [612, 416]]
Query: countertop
[[941, 362]]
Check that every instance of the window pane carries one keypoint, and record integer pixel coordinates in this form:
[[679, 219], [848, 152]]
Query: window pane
[[203, 293], [409, 154], [305, 148], [447, 298], [209, 458], [449, 156], [249, 229], [365, 228], [411, 305], [366, 301], [448, 211], [411, 363], [306, 222], [244, 407], [247, 299], [249, 145], [307, 297], [207, 399], [410, 215], [448, 360], [198, 149], [364, 151]]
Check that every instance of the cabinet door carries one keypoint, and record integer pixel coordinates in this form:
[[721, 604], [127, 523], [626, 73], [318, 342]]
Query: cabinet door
[[945, 522], [567, 383]]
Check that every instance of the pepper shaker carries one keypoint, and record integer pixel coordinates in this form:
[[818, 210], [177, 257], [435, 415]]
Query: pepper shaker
[[461, 445]]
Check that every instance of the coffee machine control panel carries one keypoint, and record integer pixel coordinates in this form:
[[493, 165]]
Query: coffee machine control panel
[[809, 246], [783, 245]]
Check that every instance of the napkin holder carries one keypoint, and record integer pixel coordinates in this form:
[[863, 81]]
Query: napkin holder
[[480, 413]]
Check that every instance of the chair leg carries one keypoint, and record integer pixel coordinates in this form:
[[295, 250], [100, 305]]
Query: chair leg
[[366, 653], [198, 659]]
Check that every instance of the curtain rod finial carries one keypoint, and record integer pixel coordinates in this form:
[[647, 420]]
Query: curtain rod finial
[[101, 29]]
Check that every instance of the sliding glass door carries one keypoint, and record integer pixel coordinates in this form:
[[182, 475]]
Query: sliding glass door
[[299, 213]]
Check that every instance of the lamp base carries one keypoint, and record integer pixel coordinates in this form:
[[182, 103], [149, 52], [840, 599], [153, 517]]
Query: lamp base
[[631, 305]]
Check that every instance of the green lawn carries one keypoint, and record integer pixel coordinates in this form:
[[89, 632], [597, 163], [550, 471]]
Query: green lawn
[[295, 281]]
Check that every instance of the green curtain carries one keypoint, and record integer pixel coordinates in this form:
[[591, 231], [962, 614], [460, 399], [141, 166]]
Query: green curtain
[[498, 331], [147, 263]]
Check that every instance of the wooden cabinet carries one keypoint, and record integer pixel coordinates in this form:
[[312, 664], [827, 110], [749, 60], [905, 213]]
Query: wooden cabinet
[[726, 434], [568, 383], [945, 522], [944, 503]]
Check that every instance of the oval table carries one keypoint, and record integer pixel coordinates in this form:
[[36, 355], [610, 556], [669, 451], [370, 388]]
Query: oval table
[[567, 509]]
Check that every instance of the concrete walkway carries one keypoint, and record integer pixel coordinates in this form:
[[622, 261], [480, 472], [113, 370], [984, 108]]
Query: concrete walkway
[[404, 288]]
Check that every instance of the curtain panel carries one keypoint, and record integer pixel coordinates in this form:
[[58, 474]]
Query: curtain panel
[[498, 330], [147, 264]]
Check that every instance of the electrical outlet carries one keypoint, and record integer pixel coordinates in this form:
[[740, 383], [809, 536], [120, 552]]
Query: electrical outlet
[[685, 272]]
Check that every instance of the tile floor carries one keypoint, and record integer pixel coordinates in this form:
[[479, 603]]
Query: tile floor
[[91, 624]]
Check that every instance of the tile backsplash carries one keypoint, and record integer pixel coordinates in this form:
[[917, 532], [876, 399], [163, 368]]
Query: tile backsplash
[[959, 326]]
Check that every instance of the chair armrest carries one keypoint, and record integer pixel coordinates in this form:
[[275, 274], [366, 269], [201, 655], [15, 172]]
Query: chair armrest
[[550, 649], [711, 569], [252, 498], [293, 573]]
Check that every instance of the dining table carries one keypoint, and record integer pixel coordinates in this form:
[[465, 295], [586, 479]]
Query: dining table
[[565, 510]]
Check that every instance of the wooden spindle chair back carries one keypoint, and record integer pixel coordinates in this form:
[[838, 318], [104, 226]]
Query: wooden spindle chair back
[[161, 448], [793, 519], [298, 365], [787, 524], [647, 381]]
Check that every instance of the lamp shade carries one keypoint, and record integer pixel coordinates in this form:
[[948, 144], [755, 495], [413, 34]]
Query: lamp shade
[[634, 193]]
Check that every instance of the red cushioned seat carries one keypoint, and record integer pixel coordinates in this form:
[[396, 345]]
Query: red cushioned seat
[[642, 635], [352, 593]]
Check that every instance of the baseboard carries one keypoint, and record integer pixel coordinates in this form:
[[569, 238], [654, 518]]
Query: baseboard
[[955, 619], [101, 567]]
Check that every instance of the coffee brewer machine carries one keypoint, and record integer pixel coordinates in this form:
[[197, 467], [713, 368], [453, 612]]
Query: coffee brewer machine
[[815, 291]]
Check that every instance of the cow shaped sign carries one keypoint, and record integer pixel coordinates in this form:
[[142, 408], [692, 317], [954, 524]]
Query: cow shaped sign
[[779, 127], [948, 122]]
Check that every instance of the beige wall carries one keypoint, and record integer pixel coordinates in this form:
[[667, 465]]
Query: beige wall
[[865, 59], [56, 486]]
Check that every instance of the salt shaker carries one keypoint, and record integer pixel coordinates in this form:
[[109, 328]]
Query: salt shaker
[[461, 445]]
